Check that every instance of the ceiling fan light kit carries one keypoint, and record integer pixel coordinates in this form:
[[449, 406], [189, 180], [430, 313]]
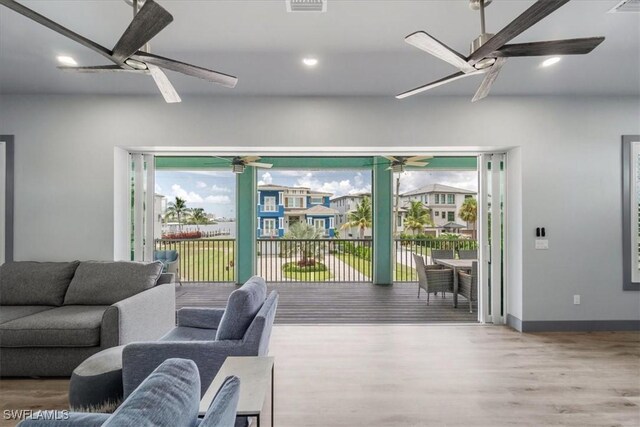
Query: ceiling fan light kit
[[489, 52], [131, 52]]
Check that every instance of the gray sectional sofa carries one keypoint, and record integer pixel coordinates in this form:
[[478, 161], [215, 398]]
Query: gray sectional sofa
[[55, 315]]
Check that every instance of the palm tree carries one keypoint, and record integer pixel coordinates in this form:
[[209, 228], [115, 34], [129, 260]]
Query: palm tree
[[361, 217], [301, 235], [198, 217], [469, 213], [417, 217], [178, 210]]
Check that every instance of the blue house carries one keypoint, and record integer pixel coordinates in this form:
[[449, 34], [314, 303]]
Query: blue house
[[279, 207]]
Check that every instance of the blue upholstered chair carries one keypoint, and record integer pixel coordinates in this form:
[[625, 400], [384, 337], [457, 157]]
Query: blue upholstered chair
[[208, 336], [169, 397], [171, 262]]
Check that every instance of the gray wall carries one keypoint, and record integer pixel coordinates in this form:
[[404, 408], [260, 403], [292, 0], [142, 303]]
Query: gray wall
[[568, 169]]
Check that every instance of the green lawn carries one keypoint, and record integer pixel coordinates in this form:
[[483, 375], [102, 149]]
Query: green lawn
[[401, 273], [314, 276], [202, 261]]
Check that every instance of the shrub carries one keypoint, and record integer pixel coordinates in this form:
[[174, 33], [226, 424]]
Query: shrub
[[183, 235], [295, 267]]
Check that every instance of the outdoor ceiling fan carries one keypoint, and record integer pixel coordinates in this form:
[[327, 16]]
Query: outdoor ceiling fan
[[398, 163], [131, 53], [489, 52], [238, 164]]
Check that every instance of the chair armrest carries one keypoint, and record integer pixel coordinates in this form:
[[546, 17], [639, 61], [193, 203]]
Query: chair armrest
[[141, 358], [64, 419], [166, 278], [196, 317], [144, 316]]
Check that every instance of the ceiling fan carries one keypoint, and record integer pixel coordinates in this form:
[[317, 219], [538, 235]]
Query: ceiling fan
[[131, 52], [489, 52], [398, 163], [238, 164]]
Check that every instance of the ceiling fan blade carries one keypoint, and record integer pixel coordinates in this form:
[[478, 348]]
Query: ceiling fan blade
[[166, 88], [418, 158], [489, 79], [554, 47], [42, 20], [531, 16], [149, 21], [260, 165], [445, 80], [248, 159], [430, 44], [418, 164], [102, 69], [393, 159], [188, 69]]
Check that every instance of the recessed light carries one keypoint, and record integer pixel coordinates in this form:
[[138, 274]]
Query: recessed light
[[67, 60], [549, 62], [310, 62]]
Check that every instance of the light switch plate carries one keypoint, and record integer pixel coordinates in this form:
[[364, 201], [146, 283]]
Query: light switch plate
[[542, 244]]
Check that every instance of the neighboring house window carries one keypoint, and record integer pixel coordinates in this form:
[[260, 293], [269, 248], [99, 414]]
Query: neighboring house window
[[442, 199], [331, 223], [437, 213], [451, 216], [269, 204], [316, 200], [444, 214], [426, 198], [294, 202], [281, 223], [319, 224], [399, 220], [451, 199], [436, 199], [468, 196], [269, 227]]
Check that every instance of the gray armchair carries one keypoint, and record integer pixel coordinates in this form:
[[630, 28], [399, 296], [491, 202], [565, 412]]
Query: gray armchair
[[432, 279], [441, 254], [208, 336], [468, 284], [468, 254], [170, 260]]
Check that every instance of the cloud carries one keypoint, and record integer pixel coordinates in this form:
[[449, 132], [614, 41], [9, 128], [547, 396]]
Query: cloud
[[218, 189], [220, 200], [335, 187], [188, 196], [201, 184], [265, 179]]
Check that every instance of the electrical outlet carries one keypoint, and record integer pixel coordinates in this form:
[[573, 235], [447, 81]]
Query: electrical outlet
[[576, 299]]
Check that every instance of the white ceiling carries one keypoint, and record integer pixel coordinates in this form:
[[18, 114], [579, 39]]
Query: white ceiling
[[359, 44]]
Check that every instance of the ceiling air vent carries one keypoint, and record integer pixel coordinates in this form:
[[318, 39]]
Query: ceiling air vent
[[627, 6], [306, 5]]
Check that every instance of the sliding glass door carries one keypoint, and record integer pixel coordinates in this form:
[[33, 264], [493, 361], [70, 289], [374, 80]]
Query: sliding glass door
[[492, 238], [3, 192]]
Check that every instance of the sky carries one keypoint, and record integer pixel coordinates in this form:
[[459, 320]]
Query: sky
[[215, 190]]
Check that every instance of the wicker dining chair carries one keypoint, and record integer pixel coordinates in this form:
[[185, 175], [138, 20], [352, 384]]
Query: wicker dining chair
[[432, 279], [441, 254], [468, 284], [468, 254]]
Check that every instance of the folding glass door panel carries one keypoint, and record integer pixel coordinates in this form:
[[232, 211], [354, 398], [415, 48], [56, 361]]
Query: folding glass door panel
[[3, 187], [142, 207], [492, 238]]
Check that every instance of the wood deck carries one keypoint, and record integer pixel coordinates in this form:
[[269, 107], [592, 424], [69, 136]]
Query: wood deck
[[335, 303]]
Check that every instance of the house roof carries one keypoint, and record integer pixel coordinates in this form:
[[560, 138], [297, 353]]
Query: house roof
[[320, 210], [284, 187], [437, 188], [353, 196], [453, 225]]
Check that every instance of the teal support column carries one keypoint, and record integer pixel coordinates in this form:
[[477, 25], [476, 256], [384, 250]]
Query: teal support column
[[383, 250], [246, 225]]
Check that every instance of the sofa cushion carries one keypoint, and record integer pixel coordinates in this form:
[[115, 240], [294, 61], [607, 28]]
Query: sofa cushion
[[68, 326], [242, 307], [35, 283], [13, 312], [105, 283]]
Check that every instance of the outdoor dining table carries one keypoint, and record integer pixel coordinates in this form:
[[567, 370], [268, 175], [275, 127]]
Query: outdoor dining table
[[455, 265]]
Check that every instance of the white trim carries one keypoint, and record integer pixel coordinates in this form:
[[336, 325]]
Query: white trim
[[635, 214], [281, 223], [332, 222], [280, 198]]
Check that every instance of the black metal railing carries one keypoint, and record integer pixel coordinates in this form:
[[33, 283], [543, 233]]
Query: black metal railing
[[203, 260], [405, 271], [321, 260]]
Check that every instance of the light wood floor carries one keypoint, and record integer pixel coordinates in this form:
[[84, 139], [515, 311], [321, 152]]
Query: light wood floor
[[432, 375], [349, 303]]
